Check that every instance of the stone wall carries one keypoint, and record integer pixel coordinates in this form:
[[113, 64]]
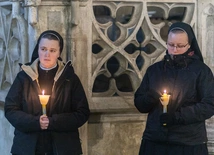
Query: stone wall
[[111, 43], [7, 133]]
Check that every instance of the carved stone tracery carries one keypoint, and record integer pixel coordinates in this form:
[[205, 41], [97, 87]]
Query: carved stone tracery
[[13, 43], [127, 38]]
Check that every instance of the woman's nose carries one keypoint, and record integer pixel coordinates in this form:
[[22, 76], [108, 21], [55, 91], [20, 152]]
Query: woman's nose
[[175, 48], [47, 53]]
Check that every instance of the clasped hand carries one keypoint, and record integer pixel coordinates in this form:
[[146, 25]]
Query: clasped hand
[[44, 122]]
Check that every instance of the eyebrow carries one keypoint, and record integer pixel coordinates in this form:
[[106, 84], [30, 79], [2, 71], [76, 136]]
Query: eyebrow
[[46, 47]]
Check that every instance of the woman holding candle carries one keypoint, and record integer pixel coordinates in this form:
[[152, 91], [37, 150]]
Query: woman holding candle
[[56, 132], [190, 84]]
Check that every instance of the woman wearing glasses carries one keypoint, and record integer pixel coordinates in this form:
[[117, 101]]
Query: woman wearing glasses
[[54, 132], [190, 84]]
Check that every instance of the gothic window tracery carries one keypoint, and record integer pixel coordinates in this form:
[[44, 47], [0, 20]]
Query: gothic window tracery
[[127, 38]]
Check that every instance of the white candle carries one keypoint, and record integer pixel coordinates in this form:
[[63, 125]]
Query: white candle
[[44, 100], [165, 101]]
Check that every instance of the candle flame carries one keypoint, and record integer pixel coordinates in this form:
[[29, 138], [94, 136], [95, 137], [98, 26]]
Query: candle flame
[[43, 92], [164, 91]]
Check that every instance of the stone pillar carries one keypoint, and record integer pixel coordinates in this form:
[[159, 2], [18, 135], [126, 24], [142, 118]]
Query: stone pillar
[[206, 42]]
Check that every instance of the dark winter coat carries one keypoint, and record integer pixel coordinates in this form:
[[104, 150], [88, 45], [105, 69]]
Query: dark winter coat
[[67, 110], [191, 86]]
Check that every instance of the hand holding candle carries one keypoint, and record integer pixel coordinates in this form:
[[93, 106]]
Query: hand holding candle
[[44, 100], [165, 101]]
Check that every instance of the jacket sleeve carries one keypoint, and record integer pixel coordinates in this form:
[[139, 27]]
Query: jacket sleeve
[[204, 108], [79, 115], [13, 108], [145, 98]]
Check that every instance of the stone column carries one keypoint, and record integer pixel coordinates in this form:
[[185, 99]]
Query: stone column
[[206, 42]]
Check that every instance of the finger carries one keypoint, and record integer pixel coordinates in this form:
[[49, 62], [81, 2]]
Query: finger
[[43, 117]]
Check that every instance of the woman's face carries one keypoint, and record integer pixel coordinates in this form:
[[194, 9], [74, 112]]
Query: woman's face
[[49, 51], [177, 43]]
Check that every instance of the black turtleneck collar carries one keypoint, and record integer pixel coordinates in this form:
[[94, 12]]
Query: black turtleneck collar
[[181, 60]]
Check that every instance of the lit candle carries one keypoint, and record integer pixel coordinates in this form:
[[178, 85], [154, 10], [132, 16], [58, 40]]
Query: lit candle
[[165, 101], [44, 100]]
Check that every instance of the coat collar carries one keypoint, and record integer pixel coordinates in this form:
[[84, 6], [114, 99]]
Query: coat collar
[[32, 70]]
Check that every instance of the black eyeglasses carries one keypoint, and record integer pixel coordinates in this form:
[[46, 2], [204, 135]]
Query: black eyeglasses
[[172, 46]]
